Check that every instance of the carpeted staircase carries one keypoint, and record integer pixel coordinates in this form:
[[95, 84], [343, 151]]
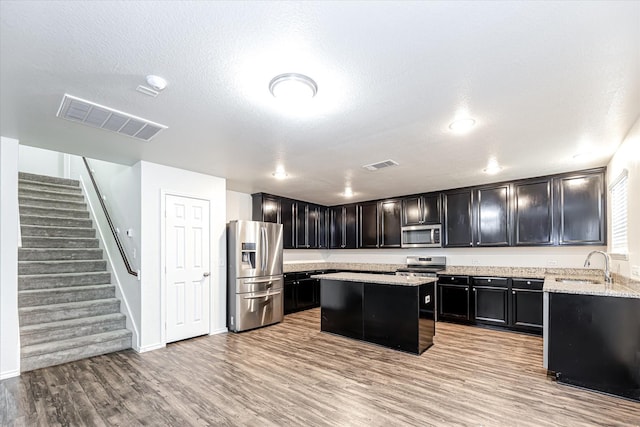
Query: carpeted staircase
[[68, 309]]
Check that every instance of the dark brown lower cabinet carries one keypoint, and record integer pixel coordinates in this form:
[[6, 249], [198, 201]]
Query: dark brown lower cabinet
[[514, 304], [301, 291]]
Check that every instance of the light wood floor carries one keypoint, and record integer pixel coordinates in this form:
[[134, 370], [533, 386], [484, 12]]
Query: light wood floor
[[292, 374]]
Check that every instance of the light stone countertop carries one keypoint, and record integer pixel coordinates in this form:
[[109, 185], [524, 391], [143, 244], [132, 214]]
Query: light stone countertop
[[381, 279], [295, 267], [553, 284]]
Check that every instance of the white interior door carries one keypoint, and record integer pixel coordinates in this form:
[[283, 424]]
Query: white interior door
[[187, 267]]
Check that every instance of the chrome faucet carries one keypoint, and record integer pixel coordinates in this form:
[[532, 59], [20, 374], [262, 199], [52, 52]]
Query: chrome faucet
[[607, 264]]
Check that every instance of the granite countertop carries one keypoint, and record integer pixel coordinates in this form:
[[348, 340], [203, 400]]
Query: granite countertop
[[588, 285], [295, 267], [382, 279]]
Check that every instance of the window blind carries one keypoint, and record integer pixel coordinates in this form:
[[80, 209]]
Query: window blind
[[619, 215]]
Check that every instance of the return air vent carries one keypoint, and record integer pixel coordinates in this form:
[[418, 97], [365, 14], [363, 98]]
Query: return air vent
[[380, 165], [98, 116]]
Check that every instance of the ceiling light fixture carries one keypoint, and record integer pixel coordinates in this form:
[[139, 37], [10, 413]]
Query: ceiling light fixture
[[462, 125], [280, 173], [492, 167], [348, 192], [157, 83], [293, 86]]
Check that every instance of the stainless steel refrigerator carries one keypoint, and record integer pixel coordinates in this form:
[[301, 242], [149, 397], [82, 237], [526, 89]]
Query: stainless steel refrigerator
[[254, 275]]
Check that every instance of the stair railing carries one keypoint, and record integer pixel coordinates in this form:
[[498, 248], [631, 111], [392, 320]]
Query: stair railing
[[123, 254]]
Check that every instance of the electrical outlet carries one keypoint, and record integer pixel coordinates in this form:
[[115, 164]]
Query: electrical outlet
[[552, 263], [635, 270]]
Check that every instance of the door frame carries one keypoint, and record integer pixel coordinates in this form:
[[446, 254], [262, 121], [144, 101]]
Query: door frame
[[163, 264]]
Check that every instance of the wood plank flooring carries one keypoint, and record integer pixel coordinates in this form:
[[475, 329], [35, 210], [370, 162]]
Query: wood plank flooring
[[292, 374]]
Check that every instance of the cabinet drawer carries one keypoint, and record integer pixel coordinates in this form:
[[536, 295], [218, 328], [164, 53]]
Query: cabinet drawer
[[454, 280], [491, 281], [534, 284]]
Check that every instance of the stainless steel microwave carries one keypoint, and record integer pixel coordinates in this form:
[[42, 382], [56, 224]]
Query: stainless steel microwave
[[422, 236]]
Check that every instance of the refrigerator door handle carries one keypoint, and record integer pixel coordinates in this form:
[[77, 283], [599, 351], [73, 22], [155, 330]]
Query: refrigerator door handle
[[264, 295], [263, 249]]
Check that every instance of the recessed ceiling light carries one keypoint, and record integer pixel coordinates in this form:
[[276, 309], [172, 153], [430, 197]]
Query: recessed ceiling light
[[492, 167], [462, 125], [348, 192], [293, 86], [280, 173]]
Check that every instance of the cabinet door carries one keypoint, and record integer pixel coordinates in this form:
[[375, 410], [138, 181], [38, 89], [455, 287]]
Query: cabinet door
[[491, 302], [453, 302], [431, 209], [457, 211], [369, 225], [265, 208], [290, 299], [581, 213], [301, 216], [313, 226], [390, 223], [288, 223], [411, 210], [306, 294], [323, 228], [526, 305], [351, 226], [533, 213], [336, 221], [493, 216]]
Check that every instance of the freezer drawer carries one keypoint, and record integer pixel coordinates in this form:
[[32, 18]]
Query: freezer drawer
[[259, 284], [255, 309]]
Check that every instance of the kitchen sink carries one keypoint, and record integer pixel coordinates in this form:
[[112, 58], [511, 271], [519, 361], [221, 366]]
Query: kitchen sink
[[578, 281]]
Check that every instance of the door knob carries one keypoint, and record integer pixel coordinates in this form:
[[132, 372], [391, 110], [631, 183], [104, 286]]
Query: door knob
[[205, 274]]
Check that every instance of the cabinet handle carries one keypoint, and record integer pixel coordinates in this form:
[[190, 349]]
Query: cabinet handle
[[528, 282], [514, 292], [470, 243], [466, 289], [489, 280], [474, 290], [477, 243]]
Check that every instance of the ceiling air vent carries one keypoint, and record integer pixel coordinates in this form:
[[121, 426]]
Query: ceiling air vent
[[380, 165], [98, 116]]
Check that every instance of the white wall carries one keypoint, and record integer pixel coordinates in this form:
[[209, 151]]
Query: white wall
[[120, 186], [238, 206], [43, 162], [9, 324], [157, 180], [628, 157]]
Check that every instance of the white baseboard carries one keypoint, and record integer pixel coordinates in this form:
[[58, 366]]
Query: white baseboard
[[9, 374], [218, 331], [152, 347]]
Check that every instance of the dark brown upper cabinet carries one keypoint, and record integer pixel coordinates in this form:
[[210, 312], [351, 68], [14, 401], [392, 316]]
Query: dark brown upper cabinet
[[458, 221], [265, 208], [368, 224], [533, 213], [492, 215], [580, 209], [390, 224], [422, 209], [343, 230]]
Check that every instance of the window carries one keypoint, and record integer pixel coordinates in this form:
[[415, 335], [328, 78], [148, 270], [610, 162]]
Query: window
[[618, 191]]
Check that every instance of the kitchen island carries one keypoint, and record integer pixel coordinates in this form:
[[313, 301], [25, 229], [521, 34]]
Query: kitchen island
[[592, 334], [392, 311]]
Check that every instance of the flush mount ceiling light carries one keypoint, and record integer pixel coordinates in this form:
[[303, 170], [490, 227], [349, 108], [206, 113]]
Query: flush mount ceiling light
[[462, 125], [280, 173], [157, 83], [293, 86], [492, 167], [348, 192]]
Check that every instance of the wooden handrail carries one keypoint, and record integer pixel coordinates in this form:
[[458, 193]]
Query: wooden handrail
[[106, 214]]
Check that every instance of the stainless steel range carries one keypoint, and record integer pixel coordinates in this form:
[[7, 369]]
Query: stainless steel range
[[421, 266]]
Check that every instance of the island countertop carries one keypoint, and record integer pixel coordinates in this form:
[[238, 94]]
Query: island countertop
[[382, 279]]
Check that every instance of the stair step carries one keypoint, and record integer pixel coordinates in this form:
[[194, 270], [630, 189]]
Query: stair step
[[55, 212], [50, 354], [47, 267], [38, 297], [55, 222], [64, 329], [49, 203], [58, 242], [69, 310], [58, 254], [49, 231], [62, 280], [48, 179], [43, 186], [43, 193]]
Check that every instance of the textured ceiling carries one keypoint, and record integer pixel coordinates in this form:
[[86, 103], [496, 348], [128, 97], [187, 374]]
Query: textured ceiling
[[544, 81]]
